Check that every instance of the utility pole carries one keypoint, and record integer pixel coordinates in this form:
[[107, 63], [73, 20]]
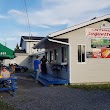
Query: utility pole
[[28, 22]]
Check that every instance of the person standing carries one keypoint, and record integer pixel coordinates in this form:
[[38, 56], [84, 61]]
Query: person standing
[[43, 65], [37, 67]]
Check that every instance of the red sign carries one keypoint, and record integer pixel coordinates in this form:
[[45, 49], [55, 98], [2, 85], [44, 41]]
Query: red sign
[[96, 53], [105, 53], [101, 53]]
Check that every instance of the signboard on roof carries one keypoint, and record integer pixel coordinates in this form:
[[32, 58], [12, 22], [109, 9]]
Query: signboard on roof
[[97, 33]]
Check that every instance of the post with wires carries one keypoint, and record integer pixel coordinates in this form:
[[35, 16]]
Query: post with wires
[[28, 22]]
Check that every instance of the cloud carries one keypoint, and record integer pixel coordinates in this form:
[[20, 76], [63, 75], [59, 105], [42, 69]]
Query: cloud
[[15, 12], [55, 12], [26, 34], [44, 26], [2, 40], [3, 17], [16, 34], [11, 39], [8, 39]]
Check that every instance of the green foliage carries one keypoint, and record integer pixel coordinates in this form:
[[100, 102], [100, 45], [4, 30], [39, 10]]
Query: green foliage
[[5, 106], [17, 47]]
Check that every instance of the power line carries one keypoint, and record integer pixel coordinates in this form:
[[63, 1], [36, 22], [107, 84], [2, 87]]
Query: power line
[[28, 24], [27, 18]]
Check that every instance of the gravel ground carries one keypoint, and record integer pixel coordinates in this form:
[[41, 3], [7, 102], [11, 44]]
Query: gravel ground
[[34, 96]]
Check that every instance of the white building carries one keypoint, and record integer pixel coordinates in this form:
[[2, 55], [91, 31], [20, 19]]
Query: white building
[[27, 43], [26, 54], [82, 52]]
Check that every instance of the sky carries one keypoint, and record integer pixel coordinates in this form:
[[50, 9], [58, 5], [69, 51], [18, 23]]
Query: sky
[[45, 17]]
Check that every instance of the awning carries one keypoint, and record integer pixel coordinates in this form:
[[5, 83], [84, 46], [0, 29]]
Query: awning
[[6, 53], [49, 43]]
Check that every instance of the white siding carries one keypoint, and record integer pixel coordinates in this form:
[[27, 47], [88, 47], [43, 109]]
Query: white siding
[[94, 70], [21, 59], [29, 48], [23, 45], [64, 72]]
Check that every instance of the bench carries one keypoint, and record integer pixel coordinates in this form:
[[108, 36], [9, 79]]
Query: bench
[[8, 84]]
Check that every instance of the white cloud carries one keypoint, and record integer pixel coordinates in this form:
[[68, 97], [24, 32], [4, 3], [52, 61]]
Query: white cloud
[[56, 12], [15, 35], [15, 12], [2, 40], [26, 33], [3, 17], [8, 39], [44, 26], [11, 39]]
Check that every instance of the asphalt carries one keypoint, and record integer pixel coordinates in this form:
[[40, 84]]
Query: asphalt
[[34, 96]]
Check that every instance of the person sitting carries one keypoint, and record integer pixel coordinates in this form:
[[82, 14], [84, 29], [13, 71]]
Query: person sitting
[[5, 73], [0, 76], [12, 69], [0, 71]]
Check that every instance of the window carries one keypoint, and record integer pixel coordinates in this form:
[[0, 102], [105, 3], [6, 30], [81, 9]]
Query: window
[[46, 55], [64, 54], [55, 54], [81, 53], [51, 56]]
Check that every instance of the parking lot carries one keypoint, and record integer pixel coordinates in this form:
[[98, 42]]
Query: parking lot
[[34, 96]]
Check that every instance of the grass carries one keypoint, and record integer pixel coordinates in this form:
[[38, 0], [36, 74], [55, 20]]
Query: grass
[[105, 87], [5, 106]]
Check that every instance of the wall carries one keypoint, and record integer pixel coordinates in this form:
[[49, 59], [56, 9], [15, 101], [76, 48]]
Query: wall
[[21, 59], [64, 71], [23, 45], [29, 48], [95, 69]]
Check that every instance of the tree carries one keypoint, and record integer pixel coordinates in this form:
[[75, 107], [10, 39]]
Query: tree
[[17, 47]]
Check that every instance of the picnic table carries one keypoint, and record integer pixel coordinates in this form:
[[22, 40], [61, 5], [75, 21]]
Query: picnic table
[[8, 84]]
